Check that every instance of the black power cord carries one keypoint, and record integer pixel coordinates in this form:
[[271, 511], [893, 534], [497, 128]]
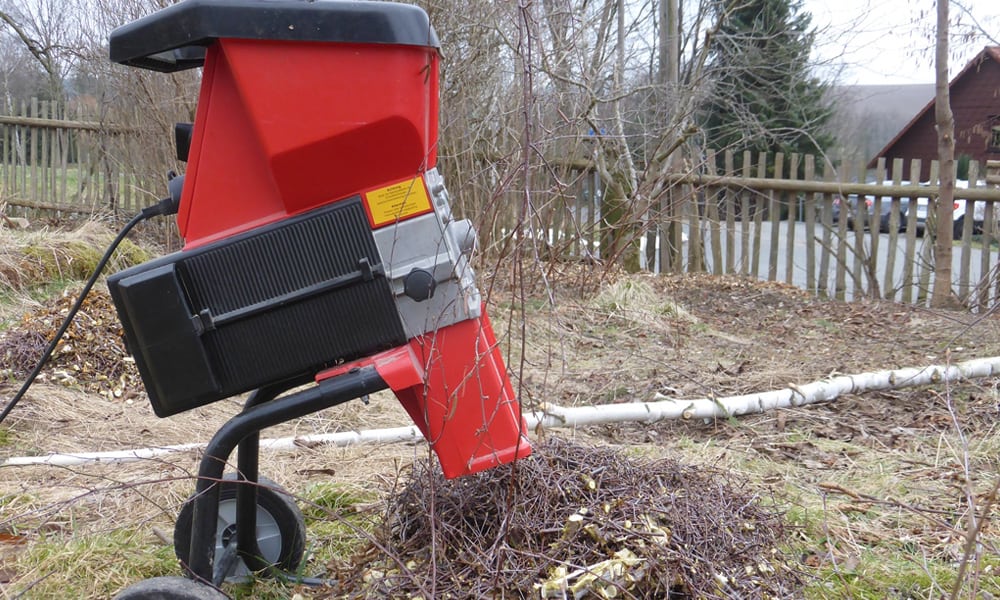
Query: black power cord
[[167, 206]]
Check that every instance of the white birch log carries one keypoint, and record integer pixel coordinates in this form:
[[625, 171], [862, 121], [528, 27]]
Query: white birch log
[[343, 438], [115, 456], [552, 416], [734, 406]]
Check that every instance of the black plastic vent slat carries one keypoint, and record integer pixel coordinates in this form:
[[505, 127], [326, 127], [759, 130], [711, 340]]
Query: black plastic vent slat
[[292, 256], [318, 332]]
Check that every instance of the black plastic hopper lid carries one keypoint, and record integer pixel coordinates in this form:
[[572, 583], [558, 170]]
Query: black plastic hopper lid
[[174, 39]]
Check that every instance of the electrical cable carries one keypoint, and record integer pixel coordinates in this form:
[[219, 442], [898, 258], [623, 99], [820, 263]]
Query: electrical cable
[[167, 206]]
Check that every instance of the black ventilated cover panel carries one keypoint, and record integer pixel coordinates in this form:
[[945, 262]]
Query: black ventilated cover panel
[[275, 304]]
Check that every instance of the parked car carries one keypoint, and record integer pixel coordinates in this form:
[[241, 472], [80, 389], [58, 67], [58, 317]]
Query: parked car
[[960, 209], [854, 210]]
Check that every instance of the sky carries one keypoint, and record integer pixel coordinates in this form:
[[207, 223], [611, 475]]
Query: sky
[[892, 41]]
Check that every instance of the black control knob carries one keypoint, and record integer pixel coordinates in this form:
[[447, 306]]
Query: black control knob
[[419, 285]]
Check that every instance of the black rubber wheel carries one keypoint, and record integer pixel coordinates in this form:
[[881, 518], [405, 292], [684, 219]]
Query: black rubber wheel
[[170, 588], [281, 528]]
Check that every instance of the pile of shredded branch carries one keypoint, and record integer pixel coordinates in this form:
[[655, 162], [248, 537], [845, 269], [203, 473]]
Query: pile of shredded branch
[[91, 354], [576, 521]]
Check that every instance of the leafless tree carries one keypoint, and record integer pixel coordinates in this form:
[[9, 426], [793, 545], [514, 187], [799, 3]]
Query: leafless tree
[[607, 99], [19, 76], [589, 93], [62, 45], [46, 29]]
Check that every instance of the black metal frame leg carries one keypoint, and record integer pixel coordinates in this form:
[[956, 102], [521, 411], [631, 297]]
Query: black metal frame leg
[[244, 430], [248, 467]]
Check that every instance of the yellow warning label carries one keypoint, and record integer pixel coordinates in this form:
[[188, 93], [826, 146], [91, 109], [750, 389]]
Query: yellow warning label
[[397, 202]]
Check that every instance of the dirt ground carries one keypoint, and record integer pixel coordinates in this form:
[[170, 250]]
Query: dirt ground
[[878, 488]]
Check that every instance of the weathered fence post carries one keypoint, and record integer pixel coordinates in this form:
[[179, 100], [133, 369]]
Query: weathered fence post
[[793, 217], [809, 204], [760, 204], [826, 219], [965, 238], [729, 194], [774, 201]]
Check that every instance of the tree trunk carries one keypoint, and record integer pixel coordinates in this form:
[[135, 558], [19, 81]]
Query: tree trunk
[[627, 241], [670, 244], [941, 294]]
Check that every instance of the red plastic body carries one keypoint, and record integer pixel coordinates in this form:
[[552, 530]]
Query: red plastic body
[[454, 385], [284, 127], [273, 137]]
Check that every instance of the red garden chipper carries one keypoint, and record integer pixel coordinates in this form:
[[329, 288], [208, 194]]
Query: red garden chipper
[[320, 249]]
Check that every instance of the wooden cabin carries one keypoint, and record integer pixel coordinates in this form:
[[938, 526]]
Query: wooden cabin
[[975, 103]]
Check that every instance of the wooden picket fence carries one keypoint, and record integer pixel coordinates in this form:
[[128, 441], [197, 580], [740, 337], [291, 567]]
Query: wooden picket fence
[[770, 217], [776, 218], [57, 162]]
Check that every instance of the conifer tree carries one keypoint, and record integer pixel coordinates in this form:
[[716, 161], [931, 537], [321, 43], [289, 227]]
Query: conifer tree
[[764, 97]]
